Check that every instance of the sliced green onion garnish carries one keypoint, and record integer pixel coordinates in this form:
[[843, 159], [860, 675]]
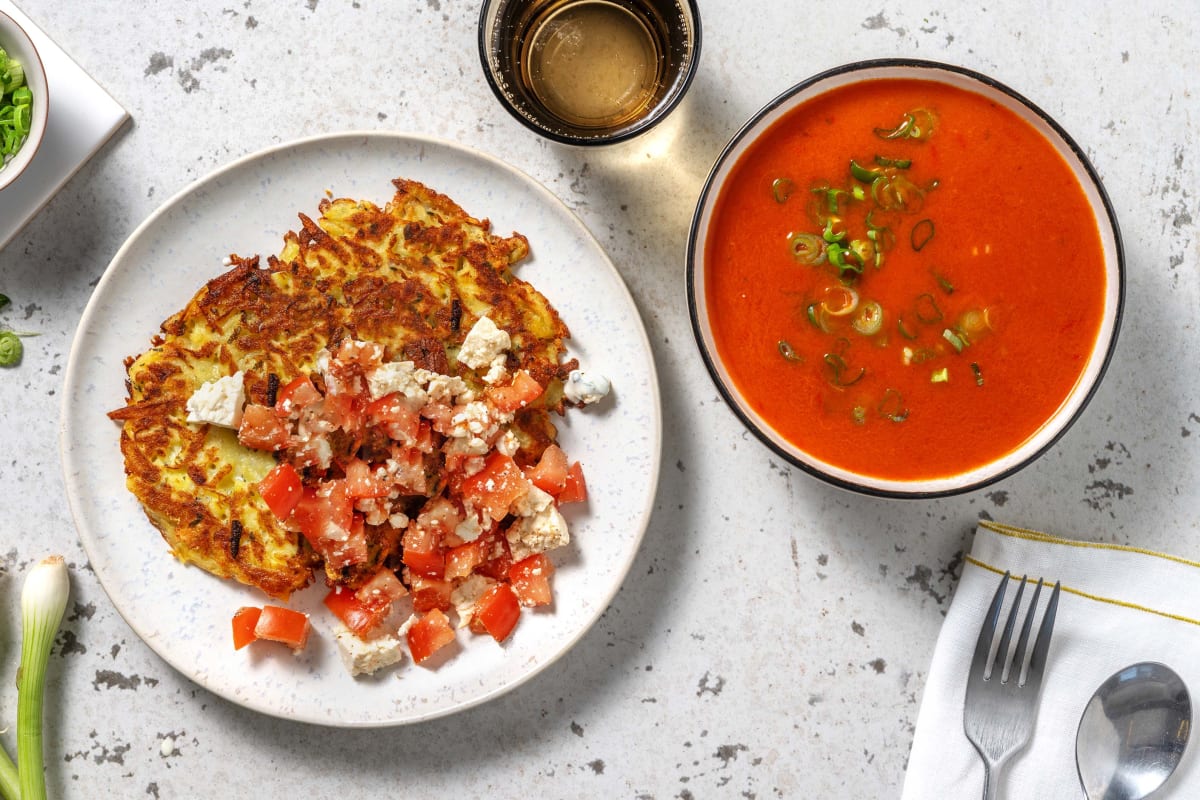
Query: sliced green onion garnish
[[830, 235], [815, 316], [956, 339], [840, 301], [898, 163], [839, 369], [927, 310], [859, 415], [905, 331], [863, 174], [10, 349], [892, 406], [940, 376], [807, 248], [781, 189], [900, 131], [921, 233], [978, 374], [869, 319], [785, 350], [943, 282]]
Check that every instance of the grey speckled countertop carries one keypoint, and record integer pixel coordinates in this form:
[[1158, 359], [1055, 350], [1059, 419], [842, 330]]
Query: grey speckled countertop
[[773, 635]]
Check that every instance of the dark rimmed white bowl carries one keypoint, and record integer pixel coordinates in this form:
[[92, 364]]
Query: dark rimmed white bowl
[[19, 46], [1106, 223]]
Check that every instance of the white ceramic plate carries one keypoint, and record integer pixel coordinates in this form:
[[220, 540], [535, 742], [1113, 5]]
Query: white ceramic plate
[[183, 613]]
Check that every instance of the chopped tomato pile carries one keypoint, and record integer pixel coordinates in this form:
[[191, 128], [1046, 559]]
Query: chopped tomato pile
[[419, 495]]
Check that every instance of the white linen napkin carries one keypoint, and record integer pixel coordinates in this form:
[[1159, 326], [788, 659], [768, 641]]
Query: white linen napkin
[[1119, 605]]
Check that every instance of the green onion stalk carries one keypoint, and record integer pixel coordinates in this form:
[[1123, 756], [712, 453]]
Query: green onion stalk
[[43, 603]]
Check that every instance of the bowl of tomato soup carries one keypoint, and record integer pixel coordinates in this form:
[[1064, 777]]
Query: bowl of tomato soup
[[905, 278]]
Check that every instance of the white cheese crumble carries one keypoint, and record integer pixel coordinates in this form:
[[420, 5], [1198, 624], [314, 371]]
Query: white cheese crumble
[[465, 596], [543, 531], [469, 529], [586, 387], [534, 501], [395, 376], [219, 402], [366, 657], [508, 444], [483, 344]]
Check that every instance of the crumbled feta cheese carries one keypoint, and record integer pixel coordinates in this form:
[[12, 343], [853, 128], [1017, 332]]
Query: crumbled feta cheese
[[375, 509], [445, 388], [474, 418], [469, 529], [543, 531], [508, 444], [395, 376], [465, 594], [483, 344], [366, 657], [408, 623], [531, 503], [219, 402], [497, 371], [398, 520], [586, 387], [474, 465]]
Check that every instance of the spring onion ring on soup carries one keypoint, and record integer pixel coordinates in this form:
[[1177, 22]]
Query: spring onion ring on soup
[[905, 279]]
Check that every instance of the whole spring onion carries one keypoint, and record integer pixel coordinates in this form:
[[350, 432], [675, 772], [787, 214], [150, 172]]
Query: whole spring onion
[[43, 603]]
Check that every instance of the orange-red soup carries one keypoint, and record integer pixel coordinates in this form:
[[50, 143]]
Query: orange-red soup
[[1015, 247]]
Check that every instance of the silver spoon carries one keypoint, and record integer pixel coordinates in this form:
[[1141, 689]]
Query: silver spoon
[[1133, 733]]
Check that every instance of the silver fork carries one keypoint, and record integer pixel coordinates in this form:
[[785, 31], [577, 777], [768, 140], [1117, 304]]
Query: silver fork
[[1001, 707]]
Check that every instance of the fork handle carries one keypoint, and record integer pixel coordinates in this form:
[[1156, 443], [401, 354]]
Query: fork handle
[[991, 781]]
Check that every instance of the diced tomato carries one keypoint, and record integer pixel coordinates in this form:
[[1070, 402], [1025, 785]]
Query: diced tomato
[[495, 487], [244, 621], [351, 550], [429, 593], [497, 558], [262, 429], [297, 394], [530, 578], [408, 470], [440, 513], [283, 625], [381, 589], [521, 392], [439, 416], [461, 561], [429, 634], [281, 489], [356, 615], [550, 473], [397, 417], [361, 481], [343, 411], [423, 550], [575, 490], [496, 612], [323, 511], [364, 354]]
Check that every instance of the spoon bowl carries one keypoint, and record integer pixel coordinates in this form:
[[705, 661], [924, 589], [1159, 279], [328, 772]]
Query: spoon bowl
[[1133, 733]]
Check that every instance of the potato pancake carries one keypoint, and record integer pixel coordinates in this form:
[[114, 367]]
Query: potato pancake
[[413, 277]]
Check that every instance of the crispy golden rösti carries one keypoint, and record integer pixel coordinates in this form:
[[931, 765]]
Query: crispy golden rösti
[[413, 276]]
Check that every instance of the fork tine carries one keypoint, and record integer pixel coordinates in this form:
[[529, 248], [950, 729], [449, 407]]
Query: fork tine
[[1037, 661], [1019, 657], [998, 666], [983, 647]]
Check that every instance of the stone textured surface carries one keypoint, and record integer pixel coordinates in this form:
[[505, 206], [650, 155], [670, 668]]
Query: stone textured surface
[[773, 635]]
